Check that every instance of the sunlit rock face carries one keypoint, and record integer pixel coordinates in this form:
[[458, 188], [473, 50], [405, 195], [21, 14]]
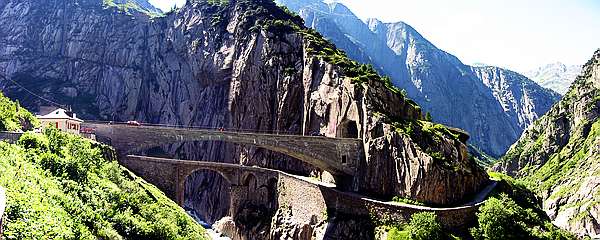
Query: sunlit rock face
[[218, 66], [494, 105], [559, 156], [556, 76]]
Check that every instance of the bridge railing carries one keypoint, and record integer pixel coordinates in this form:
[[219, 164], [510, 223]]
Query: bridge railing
[[224, 129]]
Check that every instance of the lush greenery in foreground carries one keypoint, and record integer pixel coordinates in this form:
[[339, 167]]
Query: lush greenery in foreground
[[13, 117], [512, 212], [60, 186]]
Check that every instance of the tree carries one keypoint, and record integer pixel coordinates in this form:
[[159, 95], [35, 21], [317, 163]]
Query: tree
[[428, 117], [501, 218], [424, 226]]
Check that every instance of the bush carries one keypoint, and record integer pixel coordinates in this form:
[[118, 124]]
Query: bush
[[424, 226], [61, 186], [501, 218], [13, 117], [30, 140]]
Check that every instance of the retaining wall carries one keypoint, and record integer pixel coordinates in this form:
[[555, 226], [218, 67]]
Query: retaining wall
[[11, 137], [295, 193]]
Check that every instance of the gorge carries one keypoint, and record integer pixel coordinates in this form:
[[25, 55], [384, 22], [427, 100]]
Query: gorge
[[216, 69]]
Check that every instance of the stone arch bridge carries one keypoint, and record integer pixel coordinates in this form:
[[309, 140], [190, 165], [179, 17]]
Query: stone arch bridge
[[338, 156], [170, 175], [293, 192]]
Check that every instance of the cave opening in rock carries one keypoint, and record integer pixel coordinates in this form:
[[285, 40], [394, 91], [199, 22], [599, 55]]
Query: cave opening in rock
[[347, 129]]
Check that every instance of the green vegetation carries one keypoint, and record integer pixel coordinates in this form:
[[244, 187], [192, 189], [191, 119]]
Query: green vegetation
[[428, 117], [407, 201], [565, 164], [218, 2], [13, 117], [422, 226], [502, 218], [61, 186], [129, 7], [513, 212]]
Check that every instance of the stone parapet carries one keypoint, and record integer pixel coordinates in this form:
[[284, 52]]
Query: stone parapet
[[11, 137]]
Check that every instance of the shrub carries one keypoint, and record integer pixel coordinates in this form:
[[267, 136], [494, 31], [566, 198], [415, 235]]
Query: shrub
[[424, 226], [501, 218], [13, 117], [397, 234], [30, 140], [61, 186]]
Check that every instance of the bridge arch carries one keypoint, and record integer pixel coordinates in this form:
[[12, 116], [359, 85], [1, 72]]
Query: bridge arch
[[322, 152], [206, 191]]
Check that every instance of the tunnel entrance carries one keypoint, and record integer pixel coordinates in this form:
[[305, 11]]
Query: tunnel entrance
[[347, 129]]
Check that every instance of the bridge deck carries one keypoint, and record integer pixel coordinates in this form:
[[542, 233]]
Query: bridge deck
[[339, 156], [480, 198]]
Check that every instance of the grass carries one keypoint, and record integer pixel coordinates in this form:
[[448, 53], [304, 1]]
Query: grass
[[60, 186], [407, 201], [130, 7], [15, 118]]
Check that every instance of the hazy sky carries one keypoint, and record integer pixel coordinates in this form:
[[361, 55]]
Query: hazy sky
[[166, 5], [518, 34]]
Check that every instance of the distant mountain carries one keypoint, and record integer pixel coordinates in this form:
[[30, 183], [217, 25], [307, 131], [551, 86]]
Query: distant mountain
[[559, 156], [493, 104], [556, 76]]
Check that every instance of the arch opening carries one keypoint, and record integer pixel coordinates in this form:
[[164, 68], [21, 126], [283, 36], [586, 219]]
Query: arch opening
[[207, 196]]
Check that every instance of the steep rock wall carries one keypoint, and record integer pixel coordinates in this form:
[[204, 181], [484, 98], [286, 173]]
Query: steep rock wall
[[220, 66], [558, 156]]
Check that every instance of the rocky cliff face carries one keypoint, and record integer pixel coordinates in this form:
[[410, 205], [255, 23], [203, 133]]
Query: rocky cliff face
[[242, 64], [556, 76], [559, 155], [490, 109]]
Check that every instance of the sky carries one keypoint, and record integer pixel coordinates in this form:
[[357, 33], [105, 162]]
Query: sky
[[517, 34], [166, 5]]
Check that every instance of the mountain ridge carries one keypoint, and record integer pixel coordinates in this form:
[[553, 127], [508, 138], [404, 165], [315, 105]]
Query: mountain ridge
[[556, 76], [235, 65], [558, 155], [437, 80]]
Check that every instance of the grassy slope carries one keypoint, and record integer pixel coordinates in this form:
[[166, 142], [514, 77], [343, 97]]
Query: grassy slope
[[558, 171], [13, 117], [60, 186]]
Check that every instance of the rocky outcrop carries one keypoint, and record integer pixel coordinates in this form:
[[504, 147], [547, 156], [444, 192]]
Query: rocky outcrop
[[489, 109], [245, 65], [556, 76], [558, 156]]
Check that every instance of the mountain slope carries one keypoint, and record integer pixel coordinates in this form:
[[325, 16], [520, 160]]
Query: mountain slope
[[60, 186], [559, 156], [556, 76], [142, 6], [243, 64], [489, 109]]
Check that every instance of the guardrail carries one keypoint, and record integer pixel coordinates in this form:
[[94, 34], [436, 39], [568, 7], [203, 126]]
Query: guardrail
[[2, 207]]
